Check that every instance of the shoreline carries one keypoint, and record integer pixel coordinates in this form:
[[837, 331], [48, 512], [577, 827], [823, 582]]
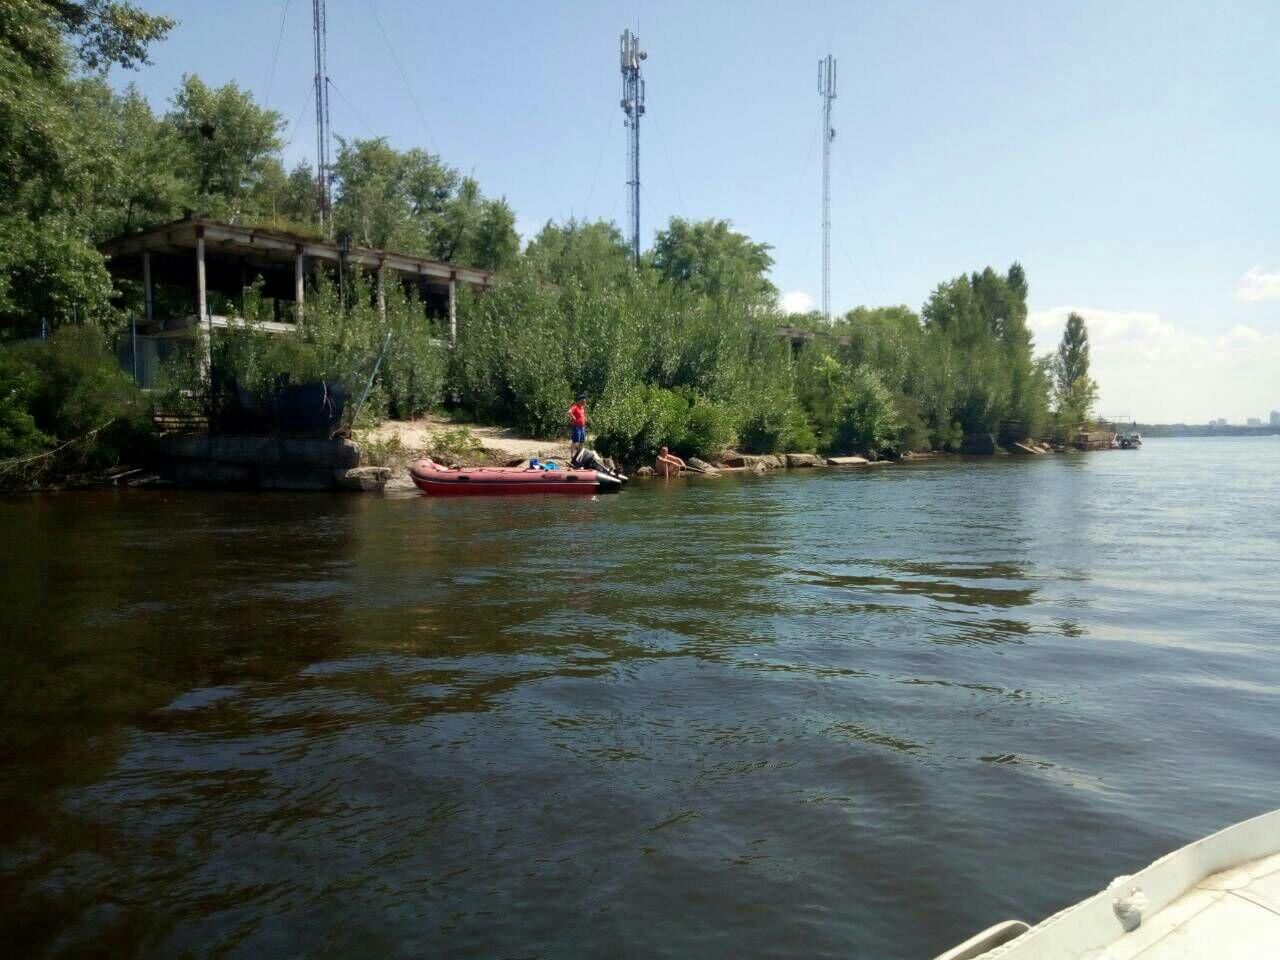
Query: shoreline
[[377, 460]]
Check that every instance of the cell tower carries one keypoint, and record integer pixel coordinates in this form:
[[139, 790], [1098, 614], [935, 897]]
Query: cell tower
[[320, 32], [633, 107], [826, 90]]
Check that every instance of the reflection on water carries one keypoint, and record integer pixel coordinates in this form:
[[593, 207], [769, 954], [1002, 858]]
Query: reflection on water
[[758, 717]]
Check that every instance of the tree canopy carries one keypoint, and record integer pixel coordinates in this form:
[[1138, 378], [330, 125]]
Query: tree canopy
[[588, 252], [1075, 392], [411, 201], [710, 257], [52, 162]]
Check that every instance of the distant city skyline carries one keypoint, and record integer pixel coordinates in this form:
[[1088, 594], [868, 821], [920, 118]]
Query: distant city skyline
[[1124, 153], [1272, 421]]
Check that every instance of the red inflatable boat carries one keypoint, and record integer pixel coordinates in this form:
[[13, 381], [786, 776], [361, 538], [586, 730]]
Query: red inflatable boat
[[437, 481]]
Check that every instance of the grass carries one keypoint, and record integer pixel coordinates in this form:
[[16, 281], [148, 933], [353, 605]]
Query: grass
[[456, 446], [386, 452]]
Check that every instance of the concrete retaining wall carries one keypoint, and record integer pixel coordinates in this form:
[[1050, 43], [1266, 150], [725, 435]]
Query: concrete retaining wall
[[265, 463]]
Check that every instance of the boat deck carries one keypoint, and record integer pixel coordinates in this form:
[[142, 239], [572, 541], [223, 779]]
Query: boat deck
[[1232, 915]]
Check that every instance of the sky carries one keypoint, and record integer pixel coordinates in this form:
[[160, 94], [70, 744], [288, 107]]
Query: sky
[[1126, 153]]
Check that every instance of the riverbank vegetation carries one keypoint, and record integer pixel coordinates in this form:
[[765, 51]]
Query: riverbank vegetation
[[688, 347]]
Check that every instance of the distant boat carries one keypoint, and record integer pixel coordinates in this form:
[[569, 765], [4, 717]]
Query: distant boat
[[1215, 899], [1128, 441]]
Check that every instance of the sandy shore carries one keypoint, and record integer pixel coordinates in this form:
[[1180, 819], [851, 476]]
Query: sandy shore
[[503, 441]]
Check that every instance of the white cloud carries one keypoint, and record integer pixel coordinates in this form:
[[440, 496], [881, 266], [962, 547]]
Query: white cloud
[[797, 301], [1151, 370], [1258, 285]]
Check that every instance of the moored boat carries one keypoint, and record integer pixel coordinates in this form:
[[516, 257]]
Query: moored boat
[[435, 480], [1216, 898]]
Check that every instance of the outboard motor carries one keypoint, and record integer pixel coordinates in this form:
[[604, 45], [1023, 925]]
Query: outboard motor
[[588, 459]]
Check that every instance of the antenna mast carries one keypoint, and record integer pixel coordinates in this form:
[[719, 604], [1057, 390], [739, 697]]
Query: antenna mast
[[319, 31], [633, 107], [826, 90]]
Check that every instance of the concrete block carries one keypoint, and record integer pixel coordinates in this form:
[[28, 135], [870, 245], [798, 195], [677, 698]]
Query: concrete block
[[802, 460], [362, 478]]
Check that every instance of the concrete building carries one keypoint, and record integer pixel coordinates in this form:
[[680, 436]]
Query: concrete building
[[1253, 422], [195, 257], [1275, 418]]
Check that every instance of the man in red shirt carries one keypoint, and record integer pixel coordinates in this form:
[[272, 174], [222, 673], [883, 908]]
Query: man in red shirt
[[577, 425]]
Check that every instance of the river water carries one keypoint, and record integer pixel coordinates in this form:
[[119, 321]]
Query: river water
[[846, 714]]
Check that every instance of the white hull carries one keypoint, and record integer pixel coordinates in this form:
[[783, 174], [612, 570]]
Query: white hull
[[1216, 899]]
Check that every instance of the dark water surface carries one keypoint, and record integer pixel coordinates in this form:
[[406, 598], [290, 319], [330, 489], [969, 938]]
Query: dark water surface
[[854, 714]]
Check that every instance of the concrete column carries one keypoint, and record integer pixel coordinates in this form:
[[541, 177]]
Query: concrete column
[[453, 308], [202, 303], [204, 322], [382, 293], [299, 282], [148, 294]]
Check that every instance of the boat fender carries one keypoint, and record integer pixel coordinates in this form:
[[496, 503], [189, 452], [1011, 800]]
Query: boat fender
[[1127, 902]]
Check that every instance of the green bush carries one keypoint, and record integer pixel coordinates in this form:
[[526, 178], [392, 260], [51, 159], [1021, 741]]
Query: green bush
[[709, 429], [339, 339], [866, 420], [633, 423], [913, 432], [509, 364], [19, 383], [454, 446], [774, 423], [658, 362], [385, 452], [69, 390], [413, 370]]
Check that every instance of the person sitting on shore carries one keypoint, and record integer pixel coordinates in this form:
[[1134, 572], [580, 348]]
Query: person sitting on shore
[[577, 425], [667, 464]]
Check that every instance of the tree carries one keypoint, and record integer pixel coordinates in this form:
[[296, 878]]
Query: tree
[[576, 250], [983, 375], [52, 154], [709, 257], [291, 200], [229, 149], [105, 32], [411, 201], [887, 339], [384, 198], [494, 244], [1073, 352], [1075, 391], [142, 183]]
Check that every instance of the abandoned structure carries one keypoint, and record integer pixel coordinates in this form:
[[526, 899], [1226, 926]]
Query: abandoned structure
[[181, 265]]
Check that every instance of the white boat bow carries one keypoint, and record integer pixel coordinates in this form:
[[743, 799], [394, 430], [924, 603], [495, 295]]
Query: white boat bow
[[1215, 899]]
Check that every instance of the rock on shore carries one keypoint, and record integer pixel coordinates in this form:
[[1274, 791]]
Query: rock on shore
[[703, 466], [752, 461], [803, 460], [980, 444]]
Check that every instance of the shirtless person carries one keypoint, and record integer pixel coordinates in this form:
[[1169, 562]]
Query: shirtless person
[[667, 464]]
